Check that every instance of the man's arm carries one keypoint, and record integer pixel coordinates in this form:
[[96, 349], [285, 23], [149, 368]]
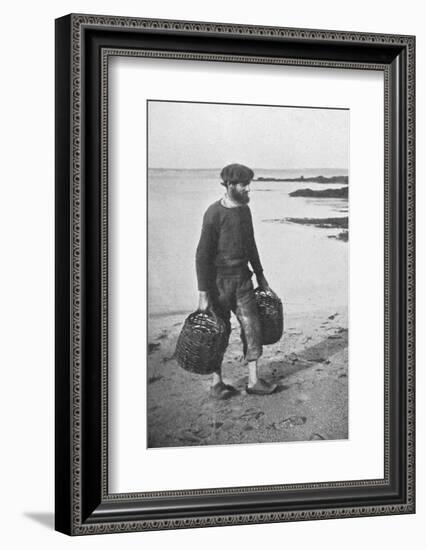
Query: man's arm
[[254, 257], [204, 259]]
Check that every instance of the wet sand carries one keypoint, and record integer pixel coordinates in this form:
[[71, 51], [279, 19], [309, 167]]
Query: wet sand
[[310, 365]]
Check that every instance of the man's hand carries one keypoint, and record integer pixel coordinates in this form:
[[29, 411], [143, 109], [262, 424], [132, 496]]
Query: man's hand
[[263, 283], [204, 301]]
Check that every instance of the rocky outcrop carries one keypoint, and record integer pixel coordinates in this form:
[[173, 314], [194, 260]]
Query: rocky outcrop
[[314, 179], [329, 223], [341, 193]]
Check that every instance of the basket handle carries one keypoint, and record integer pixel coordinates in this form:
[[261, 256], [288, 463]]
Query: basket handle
[[210, 310], [270, 292]]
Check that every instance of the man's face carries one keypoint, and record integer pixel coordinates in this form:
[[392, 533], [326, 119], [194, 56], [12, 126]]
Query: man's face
[[239, 192]]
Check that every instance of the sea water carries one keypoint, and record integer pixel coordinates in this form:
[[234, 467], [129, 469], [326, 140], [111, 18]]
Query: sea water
[[307, 268]]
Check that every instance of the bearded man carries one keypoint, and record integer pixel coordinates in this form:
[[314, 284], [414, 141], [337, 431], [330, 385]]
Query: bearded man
[[226, 248]]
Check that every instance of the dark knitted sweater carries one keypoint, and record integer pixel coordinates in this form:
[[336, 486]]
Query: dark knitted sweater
[[226, 244]]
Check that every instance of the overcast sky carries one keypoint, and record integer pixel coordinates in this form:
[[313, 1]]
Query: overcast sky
[[209, 135]]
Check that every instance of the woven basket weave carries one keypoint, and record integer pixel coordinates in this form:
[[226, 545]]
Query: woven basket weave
[[271, 316], [201, 343]]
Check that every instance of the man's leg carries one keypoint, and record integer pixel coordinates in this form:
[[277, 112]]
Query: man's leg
[[219, 389], [217, 377], [247, 326], [251, 336], [220, 304], [253, 375]]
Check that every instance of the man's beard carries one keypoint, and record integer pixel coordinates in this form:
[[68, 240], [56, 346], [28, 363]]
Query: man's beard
[[241, 197]]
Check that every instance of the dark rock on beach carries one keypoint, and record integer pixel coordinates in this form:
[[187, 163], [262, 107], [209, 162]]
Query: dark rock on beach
[[315, 179], [343, 236], [328, 223], [153, 347], [341, 193]]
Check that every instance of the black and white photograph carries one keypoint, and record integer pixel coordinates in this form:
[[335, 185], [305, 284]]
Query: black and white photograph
[[210, 298], [248, 240]]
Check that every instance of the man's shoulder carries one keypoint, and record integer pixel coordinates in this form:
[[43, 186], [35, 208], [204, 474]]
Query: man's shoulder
[[212, 211]]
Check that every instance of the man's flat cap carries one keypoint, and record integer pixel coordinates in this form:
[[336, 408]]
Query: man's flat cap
[[236, 173]]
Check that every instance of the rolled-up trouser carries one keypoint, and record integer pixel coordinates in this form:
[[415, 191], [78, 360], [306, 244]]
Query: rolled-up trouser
[[235, 293]]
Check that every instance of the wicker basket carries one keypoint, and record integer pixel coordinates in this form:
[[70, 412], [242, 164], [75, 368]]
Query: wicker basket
[[201, 343], [271, 316]]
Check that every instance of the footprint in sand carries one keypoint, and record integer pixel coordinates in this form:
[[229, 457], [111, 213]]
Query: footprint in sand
[[315, 436], [189, 438], [193, 436], [302, 398], [153, 379], [292, 421], [227, 425], [251, 414], [216, 425], [153, 347]]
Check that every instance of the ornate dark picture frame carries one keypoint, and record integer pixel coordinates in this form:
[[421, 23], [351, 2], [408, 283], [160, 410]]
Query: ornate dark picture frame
[[84, 44]]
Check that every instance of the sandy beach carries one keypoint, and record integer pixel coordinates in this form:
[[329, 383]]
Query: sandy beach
[[310, 365], [303, 245]]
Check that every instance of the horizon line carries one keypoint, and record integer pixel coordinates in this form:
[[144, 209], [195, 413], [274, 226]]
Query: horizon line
[[254, 168]]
